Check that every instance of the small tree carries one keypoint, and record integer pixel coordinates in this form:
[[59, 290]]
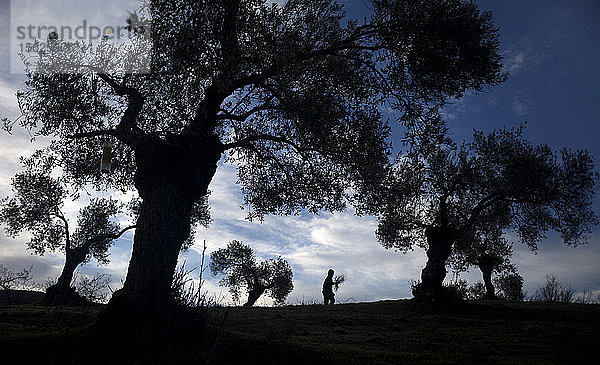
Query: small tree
[[94, 289], [38, 208], [476, 291], [439, 192], [238, 264]]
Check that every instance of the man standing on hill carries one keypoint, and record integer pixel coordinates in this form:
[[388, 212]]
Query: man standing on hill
[[328, 296]]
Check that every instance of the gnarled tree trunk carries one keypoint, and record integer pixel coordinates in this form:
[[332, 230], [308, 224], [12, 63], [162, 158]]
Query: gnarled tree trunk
[[171, 176], [440, 243], [62, 293]]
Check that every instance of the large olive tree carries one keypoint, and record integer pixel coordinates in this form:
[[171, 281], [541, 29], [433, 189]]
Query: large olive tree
[[289, 93]]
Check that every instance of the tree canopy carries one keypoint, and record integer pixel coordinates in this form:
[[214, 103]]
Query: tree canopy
[[440, 192], [291, 91]]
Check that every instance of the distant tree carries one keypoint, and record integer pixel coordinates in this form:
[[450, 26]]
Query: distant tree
[[439, 192], [486, 249], [37, 207], [552, 290], [587, 297], [238, 264], [290, 94]]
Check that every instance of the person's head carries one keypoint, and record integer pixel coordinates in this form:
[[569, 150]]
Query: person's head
[[330, 272]]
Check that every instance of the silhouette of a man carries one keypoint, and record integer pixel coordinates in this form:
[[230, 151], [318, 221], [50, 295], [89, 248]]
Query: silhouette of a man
[[328, 296]]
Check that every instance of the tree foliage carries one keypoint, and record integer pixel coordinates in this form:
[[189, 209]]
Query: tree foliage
[[510, 286], [283, 88], [37, 207], [241, 270], [441, 193]]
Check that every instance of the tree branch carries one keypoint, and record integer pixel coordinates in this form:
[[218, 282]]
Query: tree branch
[[247, 142], [480, 207], [60, 216], [127, 130], [103, 132], [247, 114], [225, 84], [114, 236]]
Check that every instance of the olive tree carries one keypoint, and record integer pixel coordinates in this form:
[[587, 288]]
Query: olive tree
[[238, 265], [288, 93], [37, 207], [440, 192], [487, 249]]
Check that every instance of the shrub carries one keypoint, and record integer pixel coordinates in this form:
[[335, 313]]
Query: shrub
[[510, 287], [451, 295], [476, 291], [553, 290]]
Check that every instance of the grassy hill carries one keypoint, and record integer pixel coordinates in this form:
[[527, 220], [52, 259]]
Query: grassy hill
[[8, 297], [387, 332]]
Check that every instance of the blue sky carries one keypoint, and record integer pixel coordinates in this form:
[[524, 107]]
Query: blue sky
[[552, 51]]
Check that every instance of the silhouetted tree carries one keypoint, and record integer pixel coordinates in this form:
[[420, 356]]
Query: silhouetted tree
[[552, 290], [485, 248], [288, 93], [440, 192], [238, 264], [510, 286], [37, 207]]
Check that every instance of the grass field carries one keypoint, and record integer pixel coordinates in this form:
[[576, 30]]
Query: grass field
[[387, 332]]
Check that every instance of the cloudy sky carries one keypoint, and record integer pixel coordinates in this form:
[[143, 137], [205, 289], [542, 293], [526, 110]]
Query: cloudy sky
[[552, 52]]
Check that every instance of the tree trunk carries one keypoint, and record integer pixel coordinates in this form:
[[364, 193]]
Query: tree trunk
[[486, 265], [432, 276], [253, 296], [170, 177], [62, 293]]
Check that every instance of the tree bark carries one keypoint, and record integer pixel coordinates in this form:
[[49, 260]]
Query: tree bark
[[440, 243], [171, 176]]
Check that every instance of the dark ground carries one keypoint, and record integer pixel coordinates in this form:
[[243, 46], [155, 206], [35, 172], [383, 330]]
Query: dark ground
[[389, 332]]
